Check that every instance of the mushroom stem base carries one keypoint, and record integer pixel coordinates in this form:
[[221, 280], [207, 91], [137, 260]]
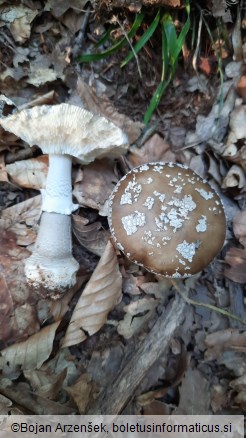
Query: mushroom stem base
[[52, 266]]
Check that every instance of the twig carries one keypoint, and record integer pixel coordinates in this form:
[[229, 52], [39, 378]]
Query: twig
[[207, 306], [116, 395], [130, 44], [78, 41]]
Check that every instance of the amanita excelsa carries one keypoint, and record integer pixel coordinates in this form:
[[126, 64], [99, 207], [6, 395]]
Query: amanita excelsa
[[164, 217], [62, 131]]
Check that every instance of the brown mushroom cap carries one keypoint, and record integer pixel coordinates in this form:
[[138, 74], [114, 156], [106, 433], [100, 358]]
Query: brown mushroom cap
[[166, 218]]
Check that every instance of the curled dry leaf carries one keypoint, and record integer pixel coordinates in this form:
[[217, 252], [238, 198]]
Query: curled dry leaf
[[3, 171], [239, 227], [46, 384], [18, 20], [234, 178], [58, 308], [99, 297], [91, 236], [236, 155], [98, 181], [154, 149], [103, 106], [241, 88], [30, 173], [29, 354], [23, 395], [138, 313], [20, 217], [80, 392], [224, 340], [237, 124], [236, 257]]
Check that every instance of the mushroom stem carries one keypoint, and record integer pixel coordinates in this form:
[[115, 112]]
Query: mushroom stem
[[57, 196], [51, 263]]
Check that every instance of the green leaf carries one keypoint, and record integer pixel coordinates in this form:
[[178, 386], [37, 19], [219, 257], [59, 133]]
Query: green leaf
[[105, 36], [116, 47], [143, 40], [170, 32], [164, 52], [182, 35], [171, 47], [155, 100]]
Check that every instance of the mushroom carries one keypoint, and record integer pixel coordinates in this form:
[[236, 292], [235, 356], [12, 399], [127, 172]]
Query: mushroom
[[165, 217], [62, 131]]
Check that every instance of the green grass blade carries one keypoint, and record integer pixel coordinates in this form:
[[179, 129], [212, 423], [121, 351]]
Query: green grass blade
[[182, 35], [105, 36], [116, 47], [170, 32], [155, 100], [171, 47], [164, 52], [143, 40]]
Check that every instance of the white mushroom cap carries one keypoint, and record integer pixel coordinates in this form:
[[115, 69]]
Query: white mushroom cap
[[166, 218], [67, 129]]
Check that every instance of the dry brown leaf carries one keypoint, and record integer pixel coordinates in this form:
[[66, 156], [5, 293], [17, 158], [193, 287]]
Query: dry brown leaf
[[241, 87], [103, 106], [148, 397], [236, 257], [237, 125], [63, 360], [154, 149], [156, 407], [29, 354], [21, 394], [239, 227], [30, 173], [239, 384], [224, 340], [3, 171], [91, 236], [45, 384], [18, 20], [58, 8], [137, 314], [80, 392], [98, 181], [18, 317], [20, 217], [100, 296], [58, 308], [219, 398], [41, 75], [234, 178], [194, 394], [236, 155]]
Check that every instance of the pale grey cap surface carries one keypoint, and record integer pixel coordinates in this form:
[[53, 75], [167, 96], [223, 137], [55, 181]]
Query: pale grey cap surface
[[68, 129]]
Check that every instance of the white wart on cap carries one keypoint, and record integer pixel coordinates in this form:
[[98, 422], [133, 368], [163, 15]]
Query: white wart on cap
[[165, 217]]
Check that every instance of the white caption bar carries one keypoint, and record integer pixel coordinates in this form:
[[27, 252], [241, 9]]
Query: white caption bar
[[179, 426]]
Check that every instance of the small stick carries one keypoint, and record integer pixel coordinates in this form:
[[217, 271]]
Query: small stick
[[207, 306], [115, 396]]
